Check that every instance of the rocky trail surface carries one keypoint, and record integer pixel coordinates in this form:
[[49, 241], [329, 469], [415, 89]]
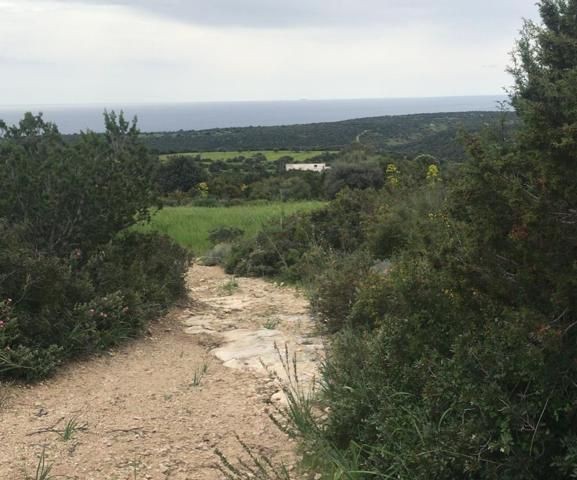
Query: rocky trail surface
[[158, 407]]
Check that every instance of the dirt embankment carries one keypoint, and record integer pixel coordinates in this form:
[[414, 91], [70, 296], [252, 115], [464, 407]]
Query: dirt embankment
[[158, 407]]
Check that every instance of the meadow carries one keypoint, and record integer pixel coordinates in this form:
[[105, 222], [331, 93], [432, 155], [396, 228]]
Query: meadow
[[189, 226], [271, 155]]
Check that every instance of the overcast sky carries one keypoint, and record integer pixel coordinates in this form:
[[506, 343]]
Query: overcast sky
[[132, 51]]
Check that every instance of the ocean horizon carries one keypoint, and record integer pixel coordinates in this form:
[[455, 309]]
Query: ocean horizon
[[170, 117]]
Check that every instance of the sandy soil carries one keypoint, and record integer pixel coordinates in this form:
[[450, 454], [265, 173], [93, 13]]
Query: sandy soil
[[141, 412]]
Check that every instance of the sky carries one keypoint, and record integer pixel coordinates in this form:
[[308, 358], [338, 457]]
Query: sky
[[154, 51]]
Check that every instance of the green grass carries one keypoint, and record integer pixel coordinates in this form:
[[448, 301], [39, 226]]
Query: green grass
[[42, 469], [70, 429], [271, 155], [189, 226]]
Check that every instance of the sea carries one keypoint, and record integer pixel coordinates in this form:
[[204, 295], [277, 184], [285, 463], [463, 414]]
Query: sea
[[172, 117]]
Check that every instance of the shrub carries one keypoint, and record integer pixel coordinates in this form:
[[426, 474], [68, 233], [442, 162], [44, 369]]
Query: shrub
[[78, 195], [177, 199], [54, 309], [276, 249], [283, 248], [282, 188], [151, 264], [217, 255], [466, 368], [71, 281], [353, 176], [335, 288], [224, 234], [180, 173], [342, 225]]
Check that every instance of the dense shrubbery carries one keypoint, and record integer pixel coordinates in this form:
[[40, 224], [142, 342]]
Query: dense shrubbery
[[286, 187], [410, 135], [335, 288], [224, 234], [353, 176], [459, 359], [186, 179], [276, 249], [71, 282], [180, 173], [286, 248]]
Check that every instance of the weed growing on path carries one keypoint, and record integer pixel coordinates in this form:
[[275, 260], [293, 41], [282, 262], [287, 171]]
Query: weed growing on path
[[42, 469], [259, 467], [70, 429], [198, 375], [230, 286], [271, 323]]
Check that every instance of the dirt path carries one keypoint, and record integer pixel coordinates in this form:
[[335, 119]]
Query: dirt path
[[158, 407]]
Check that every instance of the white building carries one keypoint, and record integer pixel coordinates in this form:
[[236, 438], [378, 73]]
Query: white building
[[307, 167]]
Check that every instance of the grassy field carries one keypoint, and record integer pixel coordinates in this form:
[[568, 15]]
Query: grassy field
[[189, 226], [269, 154]]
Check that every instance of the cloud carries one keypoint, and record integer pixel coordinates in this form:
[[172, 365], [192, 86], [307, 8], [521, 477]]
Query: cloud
[[328, 13], [86, 51]]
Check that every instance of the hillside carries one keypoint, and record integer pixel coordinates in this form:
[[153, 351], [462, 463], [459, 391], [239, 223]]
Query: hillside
[[406, 134]]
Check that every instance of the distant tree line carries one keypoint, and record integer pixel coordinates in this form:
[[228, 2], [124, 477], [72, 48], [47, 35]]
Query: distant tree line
[[409, 135]]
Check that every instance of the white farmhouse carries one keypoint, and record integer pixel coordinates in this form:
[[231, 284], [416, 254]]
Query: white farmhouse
[[307, 167]]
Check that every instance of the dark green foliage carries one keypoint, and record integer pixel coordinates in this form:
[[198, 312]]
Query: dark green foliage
[[342, 224], [460, 362], [180, 173], [71, 282], [403, 219], [335, 288], [68, 196], [227, 186], [151, 264], [225, 234], [356, 177], [276, 250], [287, 247], [57, 308], [282, 188], [409, 135]]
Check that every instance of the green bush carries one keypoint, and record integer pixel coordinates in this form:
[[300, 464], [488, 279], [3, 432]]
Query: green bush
[[282, 188], [72, 281], [461, 361], [334, 290], [180, 173], [276, 249], [77, 195], [285, 247], [224, 234], [353, 176], [151, 264], [55, 309]]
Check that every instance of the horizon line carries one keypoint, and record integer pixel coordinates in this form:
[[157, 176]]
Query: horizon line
[[196, 102]]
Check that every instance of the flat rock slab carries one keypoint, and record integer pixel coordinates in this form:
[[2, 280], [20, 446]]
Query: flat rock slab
[[248, 349], [255, 324]]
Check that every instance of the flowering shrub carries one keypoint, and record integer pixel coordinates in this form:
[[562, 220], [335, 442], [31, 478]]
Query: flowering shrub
[[73, 306]]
